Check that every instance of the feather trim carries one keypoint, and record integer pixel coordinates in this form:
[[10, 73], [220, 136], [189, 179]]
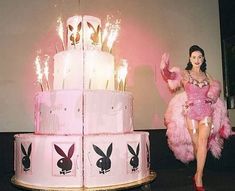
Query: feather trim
[[178, 138]]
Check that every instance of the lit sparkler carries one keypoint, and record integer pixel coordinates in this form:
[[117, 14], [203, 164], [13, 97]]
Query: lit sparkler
[[60, 30], [46, 71], [122, 73], [106, 29], [110, 33], [39, 71]]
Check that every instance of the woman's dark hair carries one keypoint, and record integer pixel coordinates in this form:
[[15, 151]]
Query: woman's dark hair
[[189, 64]]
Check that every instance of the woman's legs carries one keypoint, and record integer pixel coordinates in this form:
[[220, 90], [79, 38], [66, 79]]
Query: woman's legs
[[193, 132], [199, 132], [203, 134]]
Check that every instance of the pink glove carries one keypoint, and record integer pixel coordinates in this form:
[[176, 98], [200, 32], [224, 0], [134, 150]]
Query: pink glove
[[164, 67]]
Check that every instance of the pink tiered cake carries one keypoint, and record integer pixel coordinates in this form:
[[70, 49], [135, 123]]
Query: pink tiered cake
[[84, 127]]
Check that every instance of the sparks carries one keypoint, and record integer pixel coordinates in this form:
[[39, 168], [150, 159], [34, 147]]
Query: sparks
[[113, 34], [39, 71], [60, 30], [122, 73], [106, 29], [110, 32]]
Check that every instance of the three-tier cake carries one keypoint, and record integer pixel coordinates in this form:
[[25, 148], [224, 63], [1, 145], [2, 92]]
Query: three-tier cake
[[83, 127]]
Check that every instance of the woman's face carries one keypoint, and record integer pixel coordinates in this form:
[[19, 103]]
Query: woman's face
[[196, 59]]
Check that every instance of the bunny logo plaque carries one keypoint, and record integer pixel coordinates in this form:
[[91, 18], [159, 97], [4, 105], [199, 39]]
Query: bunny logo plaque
[[104, 163], [65, 163], [134, 161], [75, 34], [26, 157], [94, 34]]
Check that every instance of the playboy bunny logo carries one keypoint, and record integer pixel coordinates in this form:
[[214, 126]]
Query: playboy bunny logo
[[75, 36], [26, 157], [134, 161], [95, 33], [65, 163], [104, 163]]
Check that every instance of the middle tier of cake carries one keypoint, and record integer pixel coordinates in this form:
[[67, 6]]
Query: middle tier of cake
[[64, 112]]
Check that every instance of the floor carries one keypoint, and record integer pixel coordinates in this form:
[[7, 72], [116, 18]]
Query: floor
[[169, 180]]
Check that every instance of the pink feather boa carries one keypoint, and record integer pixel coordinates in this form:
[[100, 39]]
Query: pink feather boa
[[179, 139]]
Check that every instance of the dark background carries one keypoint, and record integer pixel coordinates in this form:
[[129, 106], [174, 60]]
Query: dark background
[[227, 28]]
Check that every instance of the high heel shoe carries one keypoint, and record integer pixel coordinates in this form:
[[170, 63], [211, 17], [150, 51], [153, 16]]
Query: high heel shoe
[[197, 188]]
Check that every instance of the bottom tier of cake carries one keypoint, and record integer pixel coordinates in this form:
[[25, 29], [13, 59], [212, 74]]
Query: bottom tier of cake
[[81, 161]]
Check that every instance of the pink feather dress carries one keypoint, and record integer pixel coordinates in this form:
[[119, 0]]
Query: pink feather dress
[[196, 101]]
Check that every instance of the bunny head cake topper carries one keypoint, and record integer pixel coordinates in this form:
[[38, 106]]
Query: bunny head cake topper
[[84, 33]]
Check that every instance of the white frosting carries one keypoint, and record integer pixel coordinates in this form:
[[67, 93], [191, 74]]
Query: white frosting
[[91, 69]]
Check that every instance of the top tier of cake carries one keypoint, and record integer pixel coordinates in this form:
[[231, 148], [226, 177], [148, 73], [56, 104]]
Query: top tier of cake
[[84, 65]]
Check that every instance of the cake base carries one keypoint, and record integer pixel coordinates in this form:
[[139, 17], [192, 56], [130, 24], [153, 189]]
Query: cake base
[[143, 181]]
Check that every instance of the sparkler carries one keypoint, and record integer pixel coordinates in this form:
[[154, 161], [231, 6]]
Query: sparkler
[[109, 73], [46, 71], [92, 72], [106, 29], [110, 33], [39, 71], [60, 30], [122, 73], [113, 35], [56, 49]]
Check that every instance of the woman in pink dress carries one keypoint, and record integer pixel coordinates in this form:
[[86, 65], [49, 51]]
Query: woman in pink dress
[[196, 119]]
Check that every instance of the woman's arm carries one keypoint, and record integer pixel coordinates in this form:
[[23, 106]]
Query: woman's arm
[[172, 76], [164, 67]]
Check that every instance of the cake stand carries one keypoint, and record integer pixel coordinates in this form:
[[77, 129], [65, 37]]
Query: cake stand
[[126, 186]]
